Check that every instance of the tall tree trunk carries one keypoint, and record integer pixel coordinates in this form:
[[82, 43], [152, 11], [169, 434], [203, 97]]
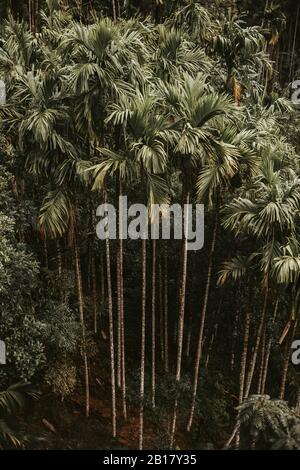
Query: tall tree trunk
[[268, 351], [102, 277], [166, 313], [120, 296], [111, 332], [294, 43], [94, 293], [143, 330], [244, 358], [202, 323], [243, 369], [211, 343], [153, 325], [298, 402], [233, 344], [286, 361], [30, 14], [181, 313], [59, 258], [161, 312], [257, 344], [189, 332], [215, 332], [262, 361], [114, 10], [119, 326], [124, 403], [82, 323]]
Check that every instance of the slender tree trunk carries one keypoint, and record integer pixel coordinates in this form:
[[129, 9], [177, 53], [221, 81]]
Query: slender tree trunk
[[214, 334], [102, 289], [161, 312], [298, 402], [94, 293], [153, 324], [123, 345], [243, 369], [114, 10], [202, 323], [211, 343], [82, 323], [182, 292], [286, 361], [124, 403], [143, 329], [102, 277], [262, 361], [233, 344], [244, 358], [257, 344], [119, 317], [166, 313], [59, 258], [111, 332], [30, 14], [294, 43], [268, 351], [189, 332]]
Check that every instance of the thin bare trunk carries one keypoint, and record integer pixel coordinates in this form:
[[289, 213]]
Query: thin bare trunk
[[143, 330], [268, 351], [111, 332], [234, 339], [294, 43], [124, 404], [210, 347], [153, 325], [161, 312], [202, 324], [286, 361], [181, 313], [119, 320], [189, 331], [123, 345], [94, 294], [166, 313], [243, 370], [59, 258], [298, 402], [244, 358], [262, 361], [114, 10], [102, 277], [30, 14], [257, 344], [82, 323]]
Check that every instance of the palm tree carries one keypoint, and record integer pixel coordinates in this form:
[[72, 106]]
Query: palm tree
[[240, 47], [286, 271], [11, 400], [267, 215], [194, 108], [219, 172]]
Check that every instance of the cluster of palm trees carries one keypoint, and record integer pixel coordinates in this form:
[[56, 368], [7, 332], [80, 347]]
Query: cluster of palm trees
[[162, 113]]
